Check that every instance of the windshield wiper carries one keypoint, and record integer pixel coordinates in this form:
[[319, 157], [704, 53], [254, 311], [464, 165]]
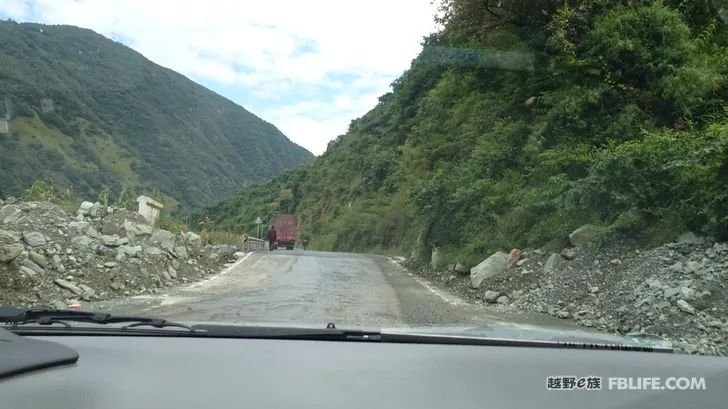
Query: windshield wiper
[[46, 316]]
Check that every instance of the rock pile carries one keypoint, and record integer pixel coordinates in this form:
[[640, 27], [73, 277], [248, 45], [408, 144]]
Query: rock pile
[[677, 291], [48, 257]]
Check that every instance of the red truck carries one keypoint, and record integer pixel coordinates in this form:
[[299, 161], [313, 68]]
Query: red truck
[[286, 230]]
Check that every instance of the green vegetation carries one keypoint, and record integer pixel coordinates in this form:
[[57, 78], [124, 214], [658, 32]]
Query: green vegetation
[[46, 191], [519, 122], [92, 114]]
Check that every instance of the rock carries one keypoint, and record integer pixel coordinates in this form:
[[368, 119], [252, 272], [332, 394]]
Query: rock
[[562, 314], [116, 286], [10, 214], [461, 268], [88, 292], [31, 265], [97, 210], [28, 272], [685, 307], [192, 239], [491, 266], [503, 299], [164, 275], [38, 259], [9, 252], [113, 240], [110, 264], [181, 252], [137, 229], [671, 292], [568, 254], [34, 239], [84, 209], [81, 226], [130, 251], [677, 267], [689, 238], [164, 239], [687, 293], [225, 250], [172, 272], [513, 258], [551, 263], [152, 251], [584, 234], [692, 267], [716, 324], [615, 262], [67, 285], [82, 241], [521, 262], [653, 282], [594, 289], [491, 296]]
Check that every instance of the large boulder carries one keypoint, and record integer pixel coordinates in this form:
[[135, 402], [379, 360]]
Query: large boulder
[[192, 239], [181, 252], [10, 214], [137, 229], [97, 210], [584, 234], [34, 239], [164, 239], [84, 209], [689, 238], [491, 266]]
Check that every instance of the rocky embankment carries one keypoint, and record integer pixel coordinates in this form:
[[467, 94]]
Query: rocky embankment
[[676, 291], [51, 258]]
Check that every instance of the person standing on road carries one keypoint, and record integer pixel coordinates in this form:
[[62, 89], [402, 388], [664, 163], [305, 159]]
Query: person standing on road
[[271, 238]]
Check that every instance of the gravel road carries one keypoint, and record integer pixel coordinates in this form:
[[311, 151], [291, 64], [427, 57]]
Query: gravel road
[[307, 287]]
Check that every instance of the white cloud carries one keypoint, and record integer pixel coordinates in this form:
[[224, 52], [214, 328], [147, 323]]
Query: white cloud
[[270, 49]]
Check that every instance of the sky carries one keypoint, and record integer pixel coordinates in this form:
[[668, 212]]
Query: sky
[[307, 66]]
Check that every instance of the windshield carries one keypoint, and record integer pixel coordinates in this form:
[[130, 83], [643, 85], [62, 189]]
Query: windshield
[[490, 168]]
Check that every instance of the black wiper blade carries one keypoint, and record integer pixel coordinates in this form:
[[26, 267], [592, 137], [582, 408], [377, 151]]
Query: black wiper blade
[[47, 316], [415, 338], [288, 333]]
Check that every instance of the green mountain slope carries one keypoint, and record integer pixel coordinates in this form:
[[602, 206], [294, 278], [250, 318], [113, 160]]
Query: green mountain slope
[[520, 122], [88, 112]]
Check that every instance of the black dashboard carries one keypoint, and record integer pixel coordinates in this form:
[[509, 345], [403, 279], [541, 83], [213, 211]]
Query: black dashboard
[[166, 372]]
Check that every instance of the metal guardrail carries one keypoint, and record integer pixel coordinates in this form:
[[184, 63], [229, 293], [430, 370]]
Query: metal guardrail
[[253, 244]]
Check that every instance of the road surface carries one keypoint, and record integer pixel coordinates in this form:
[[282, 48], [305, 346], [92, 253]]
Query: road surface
[[307, 287]]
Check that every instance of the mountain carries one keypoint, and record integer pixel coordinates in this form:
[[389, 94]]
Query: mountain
[[89, 113], [519, 123]]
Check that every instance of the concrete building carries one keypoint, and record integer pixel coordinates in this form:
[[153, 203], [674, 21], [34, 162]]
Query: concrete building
[[149, 209]]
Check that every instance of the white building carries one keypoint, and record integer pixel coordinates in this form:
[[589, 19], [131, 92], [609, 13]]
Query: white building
[[149, 209]]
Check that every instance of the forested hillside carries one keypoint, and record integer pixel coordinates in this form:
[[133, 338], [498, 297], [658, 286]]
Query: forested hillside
[[520, 121], [89, 113]]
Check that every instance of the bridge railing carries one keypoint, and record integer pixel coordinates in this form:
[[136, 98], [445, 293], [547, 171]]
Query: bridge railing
[[253, 244]]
